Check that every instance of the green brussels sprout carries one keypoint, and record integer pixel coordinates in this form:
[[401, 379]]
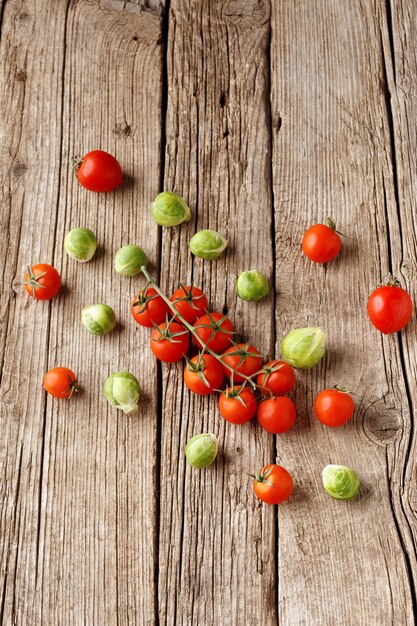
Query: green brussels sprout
[[340, 482], [252, 286], [169, 209], [129, 259], [207, 244], [122, 391], [99, 319], [80, 244], [201, 450], [304, 347]]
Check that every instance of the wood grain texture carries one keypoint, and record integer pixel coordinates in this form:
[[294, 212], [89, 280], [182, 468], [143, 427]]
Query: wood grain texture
[[217, 561], [266, 117], [351, 563], [79, 504]]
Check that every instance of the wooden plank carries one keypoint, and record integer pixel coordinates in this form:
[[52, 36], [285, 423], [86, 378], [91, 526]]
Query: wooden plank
[[217, 561], [341, 563], [79, 515], [400, 64], [29, 64]]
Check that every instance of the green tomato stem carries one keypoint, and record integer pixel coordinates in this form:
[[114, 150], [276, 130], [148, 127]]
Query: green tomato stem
[[192, 330]]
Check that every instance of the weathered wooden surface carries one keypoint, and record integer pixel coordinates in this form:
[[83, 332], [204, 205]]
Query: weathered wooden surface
[[333, 155], [266, 117]]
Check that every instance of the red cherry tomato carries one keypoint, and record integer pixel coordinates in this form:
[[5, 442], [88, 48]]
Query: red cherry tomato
[[60, 382], [237, 405], [216, 330], [99, 171], [276, 415], [322, 243], [277, 377], [190, 302], [169, 342], [203, 374], [273, 484], [390, 307], [42, 281], [244, 358], [334, 407], [149, 308]]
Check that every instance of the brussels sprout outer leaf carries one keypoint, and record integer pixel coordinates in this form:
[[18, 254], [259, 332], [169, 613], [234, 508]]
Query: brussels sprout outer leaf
[[201, 450], [340, 482]]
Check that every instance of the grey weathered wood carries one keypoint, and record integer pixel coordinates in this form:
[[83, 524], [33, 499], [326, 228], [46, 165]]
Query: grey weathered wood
[[79, 503], [344, 563], [101, 521], [217, 560]]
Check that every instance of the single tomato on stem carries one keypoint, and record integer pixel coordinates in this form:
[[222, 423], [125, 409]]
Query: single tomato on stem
[[277, 378], [148, 308], [98, 171], [203, 374], [237, 404], [244, 359], [273, 484], [169, 341], [190, 302], [60, 382], [390, 307], [277, 415], [334, 407], [42, 281], [322, 243], [215, 330]]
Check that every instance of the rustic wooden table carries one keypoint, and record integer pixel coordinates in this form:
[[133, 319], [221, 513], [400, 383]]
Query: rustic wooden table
[[266, 118]]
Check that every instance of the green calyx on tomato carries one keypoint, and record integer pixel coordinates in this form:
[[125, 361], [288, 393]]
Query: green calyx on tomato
[[198, 368], [242, 351], [391, 282], [262, 476], [143, 299], [33, 281], [189, 296], [236, 393], [267, 370], [216, 326], [167, 333]]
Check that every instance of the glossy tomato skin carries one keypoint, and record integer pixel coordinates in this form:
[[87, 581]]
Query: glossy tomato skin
[[213, 373], [42, 282], [277, 382], [170, 350], [233, 410], [60, 382], [389, 308], [190, 311], [100, 172], [276, 487], [321, 243], [154, 310], [247, 365], [333, 407], [277, 415], [222, 337]]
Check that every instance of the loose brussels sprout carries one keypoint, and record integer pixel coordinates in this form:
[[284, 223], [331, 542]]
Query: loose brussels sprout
[[201, 450], [340, 482], [122, 391], [99, 319], [129, 259], [80, 244], [252, 286], [304, 347], [169, 209], [207, 244]]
